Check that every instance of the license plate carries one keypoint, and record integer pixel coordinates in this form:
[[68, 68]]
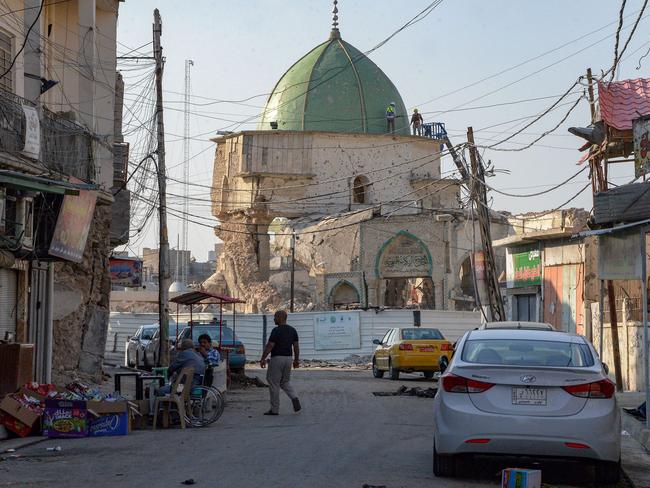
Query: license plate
[[427, 349], [528, 396]]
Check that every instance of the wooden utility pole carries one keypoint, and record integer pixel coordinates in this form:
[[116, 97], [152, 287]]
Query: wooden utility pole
[[479, 196], [163, 248], [599, 183]]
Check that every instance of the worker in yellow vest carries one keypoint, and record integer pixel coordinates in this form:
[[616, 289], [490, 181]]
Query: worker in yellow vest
[[390, 118]]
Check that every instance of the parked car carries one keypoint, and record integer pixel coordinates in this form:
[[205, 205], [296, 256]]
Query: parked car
[[516, 325], [142, 349], [410, 350], [229, 342], [525, 392], [138, 347]]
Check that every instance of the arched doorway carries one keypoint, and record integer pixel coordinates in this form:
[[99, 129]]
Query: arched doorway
[[467, 300], [360, 190], [404, 267], [343, 295]]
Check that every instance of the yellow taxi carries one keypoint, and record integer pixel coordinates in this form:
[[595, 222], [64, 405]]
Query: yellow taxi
[[409, 350]]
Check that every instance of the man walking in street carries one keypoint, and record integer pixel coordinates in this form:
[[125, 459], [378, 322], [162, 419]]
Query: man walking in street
[[390, 118], [282, 342]]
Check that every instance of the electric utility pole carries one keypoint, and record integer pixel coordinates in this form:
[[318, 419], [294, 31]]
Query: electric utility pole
[[479, 196], [293, 269], [163, 250], [186, 170]]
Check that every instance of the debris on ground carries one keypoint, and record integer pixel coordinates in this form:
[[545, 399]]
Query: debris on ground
[[405, 391], [188, 482], [366, 485], [53, 449], [240, 380]]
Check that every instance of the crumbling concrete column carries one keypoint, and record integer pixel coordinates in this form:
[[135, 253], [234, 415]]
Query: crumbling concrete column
[[263, 250]]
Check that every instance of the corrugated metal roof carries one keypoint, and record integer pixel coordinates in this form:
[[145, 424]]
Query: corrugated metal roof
[[623, 101], [626, 203]]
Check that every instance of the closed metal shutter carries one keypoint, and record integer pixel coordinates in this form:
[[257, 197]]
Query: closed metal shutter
[[8, 295]]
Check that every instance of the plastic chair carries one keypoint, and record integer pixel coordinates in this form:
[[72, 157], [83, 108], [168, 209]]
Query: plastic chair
[[178, 396]]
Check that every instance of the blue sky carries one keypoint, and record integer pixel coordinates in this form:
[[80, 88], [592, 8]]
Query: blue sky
[[240, 49]]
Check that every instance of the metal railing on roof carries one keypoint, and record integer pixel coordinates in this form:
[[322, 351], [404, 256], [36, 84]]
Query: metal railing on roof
[[65, 146]]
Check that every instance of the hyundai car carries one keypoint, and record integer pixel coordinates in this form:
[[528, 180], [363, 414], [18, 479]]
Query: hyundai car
[[526, 392]]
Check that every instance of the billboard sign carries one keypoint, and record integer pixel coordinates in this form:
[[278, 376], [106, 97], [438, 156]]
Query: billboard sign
[[641, 132], [523, 266], [73, 226], [337, 330], [619, 257], [126, 272]]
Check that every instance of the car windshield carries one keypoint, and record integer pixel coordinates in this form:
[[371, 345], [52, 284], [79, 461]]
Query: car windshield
[[525, 352], [147, 333], [421, 335], [226, 333]]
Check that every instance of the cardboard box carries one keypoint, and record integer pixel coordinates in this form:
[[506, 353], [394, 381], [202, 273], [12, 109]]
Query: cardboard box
[[14, 408], [101, 407], [521, 478], [65, 418], [15, 425], [109, 425]]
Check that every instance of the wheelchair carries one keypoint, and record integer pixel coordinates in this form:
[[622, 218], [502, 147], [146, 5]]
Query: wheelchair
[[206, 403]]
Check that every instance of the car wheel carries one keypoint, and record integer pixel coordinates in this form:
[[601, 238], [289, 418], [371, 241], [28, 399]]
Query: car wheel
[[444, 466], [428, 374], [607, 473], [392, 372], [376, 372]]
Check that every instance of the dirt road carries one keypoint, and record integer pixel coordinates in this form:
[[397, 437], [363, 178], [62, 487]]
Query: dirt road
[[344, 437]]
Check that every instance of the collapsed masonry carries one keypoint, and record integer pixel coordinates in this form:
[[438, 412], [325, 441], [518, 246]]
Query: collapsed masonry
[[81, 311]]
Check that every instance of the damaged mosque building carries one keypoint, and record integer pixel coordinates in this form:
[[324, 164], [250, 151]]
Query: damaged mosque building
[[370, 218]]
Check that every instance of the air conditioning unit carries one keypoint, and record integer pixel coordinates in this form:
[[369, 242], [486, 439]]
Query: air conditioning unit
[[18, 221]]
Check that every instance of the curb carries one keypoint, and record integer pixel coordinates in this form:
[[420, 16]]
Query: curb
[[636, 429], [20, 442]]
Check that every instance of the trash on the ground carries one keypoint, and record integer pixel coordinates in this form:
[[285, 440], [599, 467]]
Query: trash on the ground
[[188, 482], [10, 450], [405, 391], [521, 478], [366, 485], [53, 449], [625, 432]]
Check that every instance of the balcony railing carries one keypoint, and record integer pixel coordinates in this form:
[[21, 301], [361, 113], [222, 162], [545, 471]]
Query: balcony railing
[[65, 146]]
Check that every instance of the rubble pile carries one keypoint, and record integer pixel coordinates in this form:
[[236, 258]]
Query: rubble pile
[[240, 380]]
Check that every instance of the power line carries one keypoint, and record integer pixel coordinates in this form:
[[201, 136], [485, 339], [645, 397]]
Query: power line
[[22, 48]]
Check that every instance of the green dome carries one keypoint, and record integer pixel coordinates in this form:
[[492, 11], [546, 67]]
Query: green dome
[[334, 88]]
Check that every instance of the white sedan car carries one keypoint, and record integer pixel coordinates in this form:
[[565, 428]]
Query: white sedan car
[[534, 393]]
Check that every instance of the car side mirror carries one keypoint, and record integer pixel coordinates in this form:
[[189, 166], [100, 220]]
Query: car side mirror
[[606, 368], [376, 342]]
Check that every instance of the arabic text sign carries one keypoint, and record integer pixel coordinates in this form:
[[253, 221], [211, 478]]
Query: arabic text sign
[[32, 147], [337, 330], [523, 267]]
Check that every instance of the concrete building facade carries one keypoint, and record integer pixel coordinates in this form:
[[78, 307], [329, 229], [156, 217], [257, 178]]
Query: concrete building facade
[[57, 179]]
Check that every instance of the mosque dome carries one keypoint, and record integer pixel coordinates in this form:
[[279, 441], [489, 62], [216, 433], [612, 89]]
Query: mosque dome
[[334, 88]]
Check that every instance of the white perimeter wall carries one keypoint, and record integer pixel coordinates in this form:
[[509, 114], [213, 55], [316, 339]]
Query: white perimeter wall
[[250, 329]]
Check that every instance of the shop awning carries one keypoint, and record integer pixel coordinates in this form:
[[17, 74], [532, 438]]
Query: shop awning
[[28, 182], [203, 297]]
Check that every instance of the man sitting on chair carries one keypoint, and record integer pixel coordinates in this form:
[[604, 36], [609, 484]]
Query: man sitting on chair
[[187, 357]]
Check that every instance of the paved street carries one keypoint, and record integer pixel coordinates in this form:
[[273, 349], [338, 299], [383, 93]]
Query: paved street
[[344, 437]]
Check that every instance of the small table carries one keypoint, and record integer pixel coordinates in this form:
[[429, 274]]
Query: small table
[[118, 380], [139, 384]]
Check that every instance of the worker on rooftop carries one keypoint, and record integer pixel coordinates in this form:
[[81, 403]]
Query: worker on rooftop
[[390, 118], [416, 122]]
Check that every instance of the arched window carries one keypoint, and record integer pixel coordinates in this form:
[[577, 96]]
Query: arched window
[[360, 189]]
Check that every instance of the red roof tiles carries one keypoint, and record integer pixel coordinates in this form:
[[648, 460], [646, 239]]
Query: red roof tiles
[[623, 101]]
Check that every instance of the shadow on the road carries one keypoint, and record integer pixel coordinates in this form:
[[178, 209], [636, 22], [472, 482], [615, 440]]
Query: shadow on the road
[[554, 472]]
